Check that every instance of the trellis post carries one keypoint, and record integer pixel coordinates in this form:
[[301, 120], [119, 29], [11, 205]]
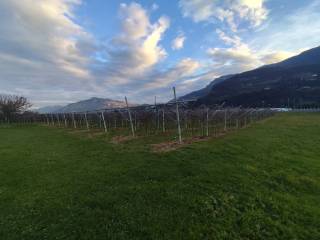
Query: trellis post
[[104, 122], [130, 118], [156, 111], [163, 122], [48, 123], [52, 119], [58, 119], [178, 116], [207, 126], [65, 120], [74, 121], [225, 120], [135, 121], [86, 119], [245, 120]]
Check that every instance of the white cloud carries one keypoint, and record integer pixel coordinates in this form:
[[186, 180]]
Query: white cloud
[[184, 68], [232, 60], [136, 50], [240, 57], [198, 10], [234, 40], [41, 47], [274, 57], [232, 11], [134, 21], [251, 10], [178, 42], [44, 32], [228, 16]]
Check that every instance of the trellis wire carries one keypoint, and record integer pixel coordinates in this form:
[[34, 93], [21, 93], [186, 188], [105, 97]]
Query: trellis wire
[[201, 121], [179, 119]]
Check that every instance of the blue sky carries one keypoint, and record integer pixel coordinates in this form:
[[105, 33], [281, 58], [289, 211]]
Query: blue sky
[[61, 51]]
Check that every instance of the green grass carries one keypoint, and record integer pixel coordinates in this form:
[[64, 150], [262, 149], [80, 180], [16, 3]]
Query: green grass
[[262, 182]]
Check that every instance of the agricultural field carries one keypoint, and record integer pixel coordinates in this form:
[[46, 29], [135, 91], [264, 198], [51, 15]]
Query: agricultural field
[[259, 182]]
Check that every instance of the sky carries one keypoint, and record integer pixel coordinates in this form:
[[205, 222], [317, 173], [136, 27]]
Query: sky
[[59, 51]]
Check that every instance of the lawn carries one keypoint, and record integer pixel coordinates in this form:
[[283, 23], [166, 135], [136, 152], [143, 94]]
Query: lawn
[[262, 182]]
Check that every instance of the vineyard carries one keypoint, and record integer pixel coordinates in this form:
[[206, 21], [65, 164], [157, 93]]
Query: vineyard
[[180, 119]]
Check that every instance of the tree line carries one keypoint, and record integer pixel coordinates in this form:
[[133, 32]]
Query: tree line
[[11, 105]]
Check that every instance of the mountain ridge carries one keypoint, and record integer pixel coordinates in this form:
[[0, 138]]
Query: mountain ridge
[[295, 80], [91, 104], [198, 93]]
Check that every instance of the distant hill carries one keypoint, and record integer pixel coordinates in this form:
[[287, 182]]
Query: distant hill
[[49, 109], [85, 105], [292, 82], [204, 91]]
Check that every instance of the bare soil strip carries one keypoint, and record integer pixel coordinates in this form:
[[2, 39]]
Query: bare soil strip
[[174, 145], [121, 139]]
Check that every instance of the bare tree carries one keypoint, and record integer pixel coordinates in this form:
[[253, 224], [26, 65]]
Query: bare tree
[[12, 104]]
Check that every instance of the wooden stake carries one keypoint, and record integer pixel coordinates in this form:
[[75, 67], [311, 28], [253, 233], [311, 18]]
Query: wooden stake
[[74, 121], [207, 126], [104, 122], [86, 119], [100, 120], [65, 120], [48, 123], [163, 126], [156, 113], [178, 116], [52, 119], [58, 119], [225, 120], [130, 118]]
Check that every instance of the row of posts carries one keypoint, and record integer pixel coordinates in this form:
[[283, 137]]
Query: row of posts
[[132, 125]]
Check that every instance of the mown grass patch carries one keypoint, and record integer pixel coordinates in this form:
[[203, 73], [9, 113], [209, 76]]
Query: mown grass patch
[[262, 182]]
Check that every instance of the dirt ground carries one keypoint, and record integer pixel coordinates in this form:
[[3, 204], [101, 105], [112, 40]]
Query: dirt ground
[[174, 145], [121, 139]]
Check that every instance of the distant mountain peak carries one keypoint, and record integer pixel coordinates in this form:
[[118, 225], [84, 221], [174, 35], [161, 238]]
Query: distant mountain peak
[[91, 104]]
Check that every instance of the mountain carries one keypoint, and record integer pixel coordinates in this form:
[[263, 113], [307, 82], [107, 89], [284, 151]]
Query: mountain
[[49, 109], [91, 104], [292, 82], [309, 57], [204, 91]]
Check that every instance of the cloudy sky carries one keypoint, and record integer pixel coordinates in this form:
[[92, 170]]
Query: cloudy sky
[[61, 51]]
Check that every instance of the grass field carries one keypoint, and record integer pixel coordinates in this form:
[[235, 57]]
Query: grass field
[[262, 182]]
